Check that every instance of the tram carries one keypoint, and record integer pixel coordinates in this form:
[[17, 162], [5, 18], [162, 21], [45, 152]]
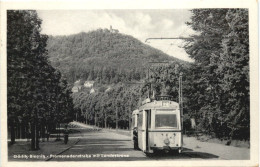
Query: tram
[[158, 125]]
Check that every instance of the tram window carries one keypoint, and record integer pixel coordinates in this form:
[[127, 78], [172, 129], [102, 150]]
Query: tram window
[[149, 118], [165, 120], [140, 120], [133, 121]]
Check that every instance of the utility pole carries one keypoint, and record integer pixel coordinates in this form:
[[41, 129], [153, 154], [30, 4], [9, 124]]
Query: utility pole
[[116, 117], [130, 115], [180, 103]]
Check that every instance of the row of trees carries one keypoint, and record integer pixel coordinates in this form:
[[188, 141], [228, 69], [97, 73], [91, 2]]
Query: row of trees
[[38, 97], [111, 108]]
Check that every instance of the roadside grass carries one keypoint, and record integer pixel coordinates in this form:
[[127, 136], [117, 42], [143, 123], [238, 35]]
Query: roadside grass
[[210, 139]]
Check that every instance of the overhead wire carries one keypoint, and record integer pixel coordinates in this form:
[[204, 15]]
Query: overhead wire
[[176, 40]]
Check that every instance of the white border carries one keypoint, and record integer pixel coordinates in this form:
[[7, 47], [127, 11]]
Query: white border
[[139, 4]]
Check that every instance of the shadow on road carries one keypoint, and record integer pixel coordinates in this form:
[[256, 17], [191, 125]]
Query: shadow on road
[[186, 154], [120, 146]]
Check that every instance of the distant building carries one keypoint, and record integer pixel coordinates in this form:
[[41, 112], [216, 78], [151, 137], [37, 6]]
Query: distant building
[[77, 86], [113, 30], [89, 84], [77, 82], [76, 89], [92, 91]]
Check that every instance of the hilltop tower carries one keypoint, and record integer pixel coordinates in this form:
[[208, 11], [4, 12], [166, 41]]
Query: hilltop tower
[[113, 30]]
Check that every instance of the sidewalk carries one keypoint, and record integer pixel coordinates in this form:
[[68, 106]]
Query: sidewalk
[[20, 151], [220, 150]]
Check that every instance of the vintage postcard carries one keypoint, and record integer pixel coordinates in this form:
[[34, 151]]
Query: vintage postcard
[[129, 83]]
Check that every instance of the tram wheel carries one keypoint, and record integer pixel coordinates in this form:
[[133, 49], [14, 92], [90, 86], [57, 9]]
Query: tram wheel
[[174, 152]]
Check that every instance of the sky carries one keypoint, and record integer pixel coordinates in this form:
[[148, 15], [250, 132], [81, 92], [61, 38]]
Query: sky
[[141, 24]]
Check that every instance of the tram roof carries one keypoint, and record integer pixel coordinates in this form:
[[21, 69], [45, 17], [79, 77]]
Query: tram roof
[[135, 112], [162, 104]]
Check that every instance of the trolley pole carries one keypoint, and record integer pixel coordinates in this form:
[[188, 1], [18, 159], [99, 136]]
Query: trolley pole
[[181, 104], [154, 64]]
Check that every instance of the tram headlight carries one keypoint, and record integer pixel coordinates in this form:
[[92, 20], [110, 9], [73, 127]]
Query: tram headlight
[[166, 141]]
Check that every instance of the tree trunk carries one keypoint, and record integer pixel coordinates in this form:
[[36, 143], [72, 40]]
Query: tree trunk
[[116, 119], [33, 147], [20, 130], [58, 134], [16, 131], [12, 132], [23, 131], [43, 132], [105, 120], [86, 116], [37, 135], [95, 119], [34, 136]]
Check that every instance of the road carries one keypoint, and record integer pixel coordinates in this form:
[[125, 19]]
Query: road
[[105, 145]]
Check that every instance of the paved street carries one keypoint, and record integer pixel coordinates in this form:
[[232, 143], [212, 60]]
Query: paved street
[[106, 145]]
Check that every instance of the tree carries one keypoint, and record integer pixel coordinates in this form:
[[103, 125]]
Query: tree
[[25, 54], [219, 77], [234, 70], [32, 81]]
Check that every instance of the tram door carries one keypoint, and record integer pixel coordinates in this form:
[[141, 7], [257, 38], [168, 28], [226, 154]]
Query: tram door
[[143, 129]]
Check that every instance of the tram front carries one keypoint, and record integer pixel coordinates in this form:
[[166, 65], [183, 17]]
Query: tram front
[[164, 127]]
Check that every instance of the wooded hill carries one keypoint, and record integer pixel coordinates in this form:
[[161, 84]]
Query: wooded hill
[[103, 56], [112, 60]]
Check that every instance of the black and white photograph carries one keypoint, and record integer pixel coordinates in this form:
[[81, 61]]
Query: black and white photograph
[[131, 85]]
